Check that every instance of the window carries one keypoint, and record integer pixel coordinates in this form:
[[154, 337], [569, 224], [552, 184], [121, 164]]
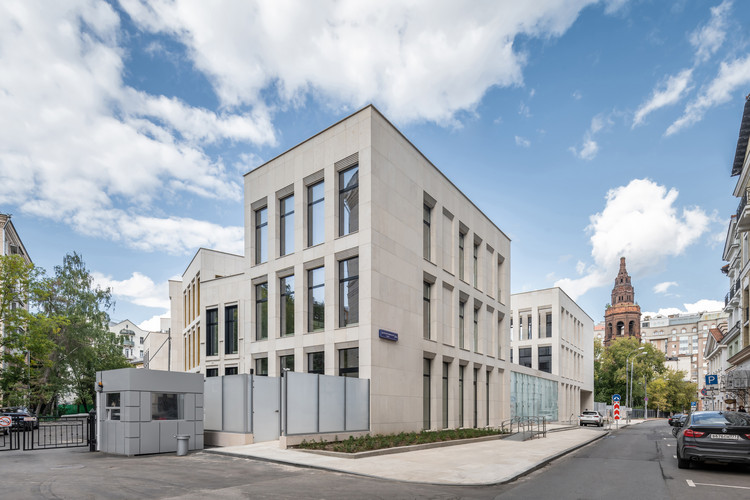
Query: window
[[231, 370], [476, 397], [230, 330], [548, 325], [545, 359], [212, 332], [315, 214], [349, 292], [426, 317], [476, 329], [167, 406], [349, 362], [476, 265], [461, 370], [446, 367], [286, 363], [528, 327], [425, 393], [113, 406], [287, 305], [349, 201], [286, 225], [461, 307], [316, 362], [212, 372], [141, 340], [261, 311], [520, 327], [261, 366], [461, 238], [427, 232], [316, 299], [261, 235], [524, 356]]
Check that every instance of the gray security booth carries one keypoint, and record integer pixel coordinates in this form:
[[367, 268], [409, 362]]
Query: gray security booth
[[142, 411]]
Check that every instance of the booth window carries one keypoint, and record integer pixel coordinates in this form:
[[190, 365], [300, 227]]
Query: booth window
[[113, 406], [166, 406]]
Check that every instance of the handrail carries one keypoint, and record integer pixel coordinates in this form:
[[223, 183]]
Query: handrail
[[534, 426]]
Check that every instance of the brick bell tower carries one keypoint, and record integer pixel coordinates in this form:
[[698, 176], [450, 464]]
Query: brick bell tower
[[622, 318]]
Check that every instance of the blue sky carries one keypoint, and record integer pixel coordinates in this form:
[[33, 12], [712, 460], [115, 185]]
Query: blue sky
[[585, 130]]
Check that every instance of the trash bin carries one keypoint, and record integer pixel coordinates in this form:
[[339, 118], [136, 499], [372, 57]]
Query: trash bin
[[182, 444]]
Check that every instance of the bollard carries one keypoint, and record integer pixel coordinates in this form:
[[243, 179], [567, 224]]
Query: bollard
[[182, 444]]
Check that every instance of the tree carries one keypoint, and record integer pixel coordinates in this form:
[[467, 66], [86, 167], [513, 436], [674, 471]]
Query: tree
[[611, 374]]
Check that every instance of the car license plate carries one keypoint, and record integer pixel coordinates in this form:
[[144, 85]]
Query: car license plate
[[731, 437]]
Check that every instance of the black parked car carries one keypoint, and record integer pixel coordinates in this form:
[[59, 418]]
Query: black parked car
[[674, 419], [717, 436], [21, 417]]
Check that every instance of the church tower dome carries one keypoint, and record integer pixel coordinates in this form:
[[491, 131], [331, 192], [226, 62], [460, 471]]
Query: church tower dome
[[622, 317]]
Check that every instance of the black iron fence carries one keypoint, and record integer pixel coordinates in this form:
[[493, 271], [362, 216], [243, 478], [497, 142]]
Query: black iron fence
[[70, 431]]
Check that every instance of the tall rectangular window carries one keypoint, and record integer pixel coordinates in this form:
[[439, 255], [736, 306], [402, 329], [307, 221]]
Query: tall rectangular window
[[528, 327], [476, 397], [316, 299], [545, 359], [231, 370], [461, 238], [286, 225], [426, 316], [261, 235], [315, 214], [261, 311], [349, 362], [230, 330], [316, 362], [461, 371], [261, 366], [425, 393], [524, 356], [548, 325], [487, 397], [427, 232], [476, 265], [286, 363], [476, 329], [461, 328], [212, 332], [287, 305], [446, 368], [349, 292], [349, 200]]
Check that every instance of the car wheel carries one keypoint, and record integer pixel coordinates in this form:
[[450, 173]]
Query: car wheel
[[682, 463]]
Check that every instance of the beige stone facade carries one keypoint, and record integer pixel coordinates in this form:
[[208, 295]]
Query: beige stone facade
[[552, 334], [361, 259]]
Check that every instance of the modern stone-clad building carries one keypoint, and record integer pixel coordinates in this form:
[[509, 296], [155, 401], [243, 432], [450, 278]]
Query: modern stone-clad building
[[551, 333], [361, 259]]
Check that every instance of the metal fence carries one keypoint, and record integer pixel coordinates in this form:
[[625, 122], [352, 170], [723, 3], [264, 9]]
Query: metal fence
[[51, 432]]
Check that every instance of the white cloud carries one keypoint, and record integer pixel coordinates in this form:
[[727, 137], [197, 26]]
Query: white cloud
[[84, 148], [667, 92], [590, 147], [153, 324], [580, 267], [416, 61], [139, 289], [710, 37], [641, 222], [577, 95], [664, 286], [703, 305], [520, 141], [732, 75]]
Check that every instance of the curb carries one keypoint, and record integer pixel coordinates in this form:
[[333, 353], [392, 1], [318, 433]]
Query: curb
[[507, 480]]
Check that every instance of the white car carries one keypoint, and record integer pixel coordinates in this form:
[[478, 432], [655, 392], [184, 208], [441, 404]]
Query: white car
[[590, 417]]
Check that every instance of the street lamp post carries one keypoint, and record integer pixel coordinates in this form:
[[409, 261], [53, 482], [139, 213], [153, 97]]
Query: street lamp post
[[629, 386]]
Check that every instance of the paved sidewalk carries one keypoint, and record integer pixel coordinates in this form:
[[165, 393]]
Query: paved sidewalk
[[480, 463]]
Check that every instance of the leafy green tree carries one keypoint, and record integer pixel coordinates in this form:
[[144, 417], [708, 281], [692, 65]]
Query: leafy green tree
[[611, 374]]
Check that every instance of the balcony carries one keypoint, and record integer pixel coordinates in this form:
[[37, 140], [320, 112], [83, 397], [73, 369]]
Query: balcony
[[743, 214], [128, 343]]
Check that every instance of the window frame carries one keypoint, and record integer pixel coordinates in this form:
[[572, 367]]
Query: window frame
[[315, 206], [343, 191], [212, 332], [261, 235], [231, 338], [286, 306], [286, 218], [313, 286], [345, 283], [261, 326]]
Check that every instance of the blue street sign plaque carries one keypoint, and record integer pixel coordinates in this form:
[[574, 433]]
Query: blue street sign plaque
[[385, 334], [616, 398], [712, 379]]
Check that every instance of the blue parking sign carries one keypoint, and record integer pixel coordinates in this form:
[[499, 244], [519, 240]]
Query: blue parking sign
[[712, 379]]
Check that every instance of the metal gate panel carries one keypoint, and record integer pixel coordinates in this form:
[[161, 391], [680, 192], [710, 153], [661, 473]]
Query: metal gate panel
[[266, 404]]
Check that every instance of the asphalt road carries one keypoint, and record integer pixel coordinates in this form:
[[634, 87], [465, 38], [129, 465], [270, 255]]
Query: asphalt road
[[634, 463]]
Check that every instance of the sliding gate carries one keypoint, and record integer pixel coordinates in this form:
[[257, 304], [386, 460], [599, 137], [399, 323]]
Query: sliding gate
[[50, 433]]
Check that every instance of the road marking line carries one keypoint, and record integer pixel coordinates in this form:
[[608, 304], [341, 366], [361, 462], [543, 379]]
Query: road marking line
[[719, 485], [669, 445], [690, 483], [674, 456]]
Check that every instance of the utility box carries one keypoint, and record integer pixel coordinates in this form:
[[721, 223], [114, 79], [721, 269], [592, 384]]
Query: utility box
[[140, 411]]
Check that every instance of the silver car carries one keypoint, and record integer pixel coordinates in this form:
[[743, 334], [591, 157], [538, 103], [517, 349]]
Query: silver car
[[591, 418]]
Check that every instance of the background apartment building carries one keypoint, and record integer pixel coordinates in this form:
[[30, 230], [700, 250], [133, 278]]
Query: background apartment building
[[363, 260], [683, 338], [550, 333]]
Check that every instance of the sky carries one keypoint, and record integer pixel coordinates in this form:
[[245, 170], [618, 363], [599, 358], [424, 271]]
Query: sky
[[586, 130]]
